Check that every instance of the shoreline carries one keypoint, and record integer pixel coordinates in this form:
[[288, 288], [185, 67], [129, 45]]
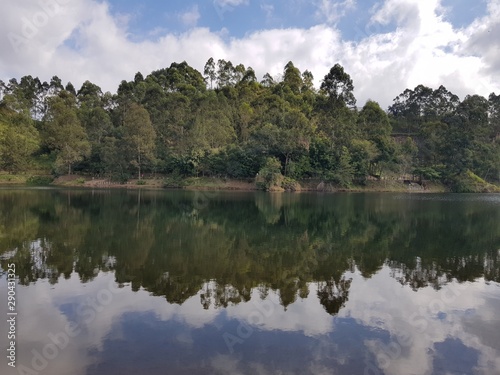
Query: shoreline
[[210, 183]]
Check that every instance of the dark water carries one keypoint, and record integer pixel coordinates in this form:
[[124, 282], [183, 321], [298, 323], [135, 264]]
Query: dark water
[[246, 283]]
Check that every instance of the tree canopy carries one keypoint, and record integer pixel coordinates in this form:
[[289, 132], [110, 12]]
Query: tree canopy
[[225, 122]]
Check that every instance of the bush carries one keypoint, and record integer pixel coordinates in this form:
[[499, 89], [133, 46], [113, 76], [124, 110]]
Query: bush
[[121, 178], [80, 180], [141, 182], [174, 182], [39, 180], [269, 176], [289, 184], [469, 182], [428, 173]]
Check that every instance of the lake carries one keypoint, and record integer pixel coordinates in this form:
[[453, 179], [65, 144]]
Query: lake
[[178, 282]]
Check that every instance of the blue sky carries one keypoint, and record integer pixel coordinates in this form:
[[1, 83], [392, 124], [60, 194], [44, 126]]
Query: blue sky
[[385, 45], [147, 17], [241, 17]]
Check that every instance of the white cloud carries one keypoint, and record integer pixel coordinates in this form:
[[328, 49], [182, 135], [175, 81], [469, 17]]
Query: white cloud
[[223, 6], [424, 48], [417, 321], [268, 9], [331, 11], [482, 39], [190, 18], [232, 3]]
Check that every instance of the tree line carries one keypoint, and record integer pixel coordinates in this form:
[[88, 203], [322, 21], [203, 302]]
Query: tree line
[[225, 123]]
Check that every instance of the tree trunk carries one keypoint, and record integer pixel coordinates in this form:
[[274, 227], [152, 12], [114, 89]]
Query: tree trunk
[[139, 166]]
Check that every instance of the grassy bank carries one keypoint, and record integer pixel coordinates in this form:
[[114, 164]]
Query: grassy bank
[[12, 179], [209, 183]]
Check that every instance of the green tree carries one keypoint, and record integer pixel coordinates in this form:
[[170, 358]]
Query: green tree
[[374, 125], [114, 163], [96, 121], [212, 126], [209, 71], [18, 142], [268, 80], [269, 176], [322, 156], [292, 78], [308, 81], [225, 73], [344, 171], [364, 154], [63, 131], [414, 107], [408, 151], [138, 136], [338, 86]]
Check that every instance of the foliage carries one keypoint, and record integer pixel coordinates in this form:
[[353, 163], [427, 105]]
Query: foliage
[[39, 180], [224, 123], [428, 173], [344, 173], [18, 142], [63, 132], [289, 184], [269, 176], [174, 182], [469, 182], [138, 137], [339, 87], [266, 241]]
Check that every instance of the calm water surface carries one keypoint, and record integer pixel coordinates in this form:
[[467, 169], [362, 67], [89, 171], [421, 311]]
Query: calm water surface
[[135, 282]]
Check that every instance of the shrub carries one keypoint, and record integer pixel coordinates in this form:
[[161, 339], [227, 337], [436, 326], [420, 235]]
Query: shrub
[[121, 178], [174, 182], [269, 176], [289, 184], [39, 180], [469, 182]]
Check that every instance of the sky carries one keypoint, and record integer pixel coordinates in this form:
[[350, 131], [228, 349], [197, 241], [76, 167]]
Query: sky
[[386, 46]]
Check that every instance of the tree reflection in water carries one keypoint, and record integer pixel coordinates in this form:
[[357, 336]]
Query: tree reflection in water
[[171, 246]]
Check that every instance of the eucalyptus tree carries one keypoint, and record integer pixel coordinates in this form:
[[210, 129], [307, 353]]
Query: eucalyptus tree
[[138, 137], [339, 87], [63, 132], [96, 121], [268, 80], [210, 72], [19, 138], [292, 78], [412, 108], [374, 125]]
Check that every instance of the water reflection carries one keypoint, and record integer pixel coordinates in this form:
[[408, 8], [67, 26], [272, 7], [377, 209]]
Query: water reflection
[[170, 246], [348, 283]]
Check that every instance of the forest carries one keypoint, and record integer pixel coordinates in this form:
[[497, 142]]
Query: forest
[[224, 122]]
